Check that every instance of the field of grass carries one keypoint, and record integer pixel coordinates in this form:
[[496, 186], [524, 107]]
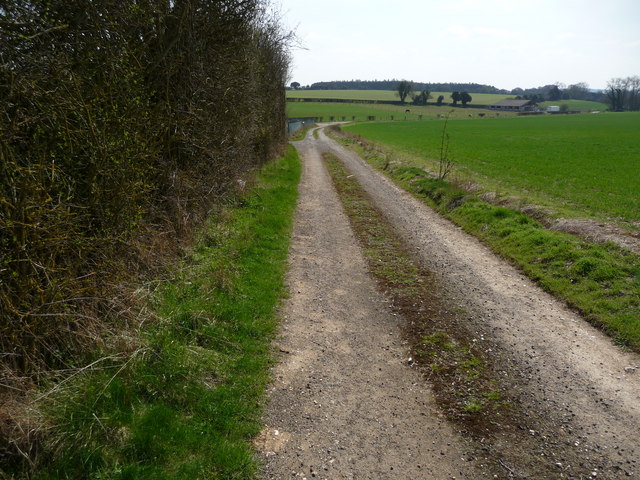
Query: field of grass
[[345, 94], [359, 112], [182, 399], [478, 98], [576, 105], [578, 165]]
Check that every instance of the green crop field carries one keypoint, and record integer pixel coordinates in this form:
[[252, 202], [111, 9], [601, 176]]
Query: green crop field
[[360, 112], [478, 98], [388, 95], [579, 105], [344, 94], [579, 165]]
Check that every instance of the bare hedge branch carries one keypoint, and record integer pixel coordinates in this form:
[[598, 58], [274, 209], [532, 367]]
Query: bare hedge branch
[[118, 121]]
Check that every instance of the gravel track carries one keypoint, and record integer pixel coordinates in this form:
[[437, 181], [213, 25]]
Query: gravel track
[[345, 404]]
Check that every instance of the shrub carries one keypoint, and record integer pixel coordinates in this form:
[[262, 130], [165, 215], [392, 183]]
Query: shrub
[[121, 123]]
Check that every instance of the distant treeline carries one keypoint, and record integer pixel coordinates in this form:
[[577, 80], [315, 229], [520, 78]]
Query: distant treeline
[[120, 124], [393, 85], [558, 92]]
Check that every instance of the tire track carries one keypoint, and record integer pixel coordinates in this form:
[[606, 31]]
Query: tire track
[[344, 403]]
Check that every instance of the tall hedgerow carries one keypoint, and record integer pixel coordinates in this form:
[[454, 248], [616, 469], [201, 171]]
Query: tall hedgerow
[[120, 124]]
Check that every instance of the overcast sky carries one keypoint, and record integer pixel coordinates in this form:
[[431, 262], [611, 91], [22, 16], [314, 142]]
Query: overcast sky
[[507, 44]]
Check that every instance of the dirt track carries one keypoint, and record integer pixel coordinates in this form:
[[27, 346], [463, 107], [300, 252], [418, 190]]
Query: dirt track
[[345, 403]]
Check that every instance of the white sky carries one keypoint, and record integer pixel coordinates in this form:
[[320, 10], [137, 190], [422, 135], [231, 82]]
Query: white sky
[[507, 44]]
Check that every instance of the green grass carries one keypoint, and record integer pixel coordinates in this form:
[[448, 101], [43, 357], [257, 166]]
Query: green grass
[[338, 110], [578, 165], [576, 105], [186, 400], [381, 112], [344, 94], [602, 281]]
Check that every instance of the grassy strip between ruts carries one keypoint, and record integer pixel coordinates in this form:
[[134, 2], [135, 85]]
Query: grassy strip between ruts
[[436, 328], [186, 401], [464, 378], [601, 281]]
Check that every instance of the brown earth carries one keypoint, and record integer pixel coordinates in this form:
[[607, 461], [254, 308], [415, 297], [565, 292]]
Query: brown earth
[[347, 403]]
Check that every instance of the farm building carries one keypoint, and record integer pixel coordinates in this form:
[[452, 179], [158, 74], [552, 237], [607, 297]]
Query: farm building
[[512, 105]]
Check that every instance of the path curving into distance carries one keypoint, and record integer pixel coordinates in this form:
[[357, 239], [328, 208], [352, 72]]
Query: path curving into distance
[[345, 403]]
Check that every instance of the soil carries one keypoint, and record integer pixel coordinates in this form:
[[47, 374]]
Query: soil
[[350, 401], [599, 232]]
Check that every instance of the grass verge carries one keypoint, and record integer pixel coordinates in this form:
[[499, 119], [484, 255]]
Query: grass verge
[[602, 281], [186, 398]]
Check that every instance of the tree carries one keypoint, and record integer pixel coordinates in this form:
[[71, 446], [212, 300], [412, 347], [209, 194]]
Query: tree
[[624, 93], [422, 97], [445, 163], [440, 100], [456, 97], [578, 91], [295, 85], [465, 98], [403, 89], [617, 93], [554, 93], [534, 98], [634, 93], [115, 93]]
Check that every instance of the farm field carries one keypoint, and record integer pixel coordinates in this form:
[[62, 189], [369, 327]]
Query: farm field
[[359, 112], [576, 105], [389, 95], [577, 165]]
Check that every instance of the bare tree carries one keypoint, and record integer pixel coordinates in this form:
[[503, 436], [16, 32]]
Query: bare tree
[[577, 91], [445, 162], [617, 93], [634, 93]]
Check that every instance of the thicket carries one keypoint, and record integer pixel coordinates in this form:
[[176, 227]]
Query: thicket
[[121, 123]]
